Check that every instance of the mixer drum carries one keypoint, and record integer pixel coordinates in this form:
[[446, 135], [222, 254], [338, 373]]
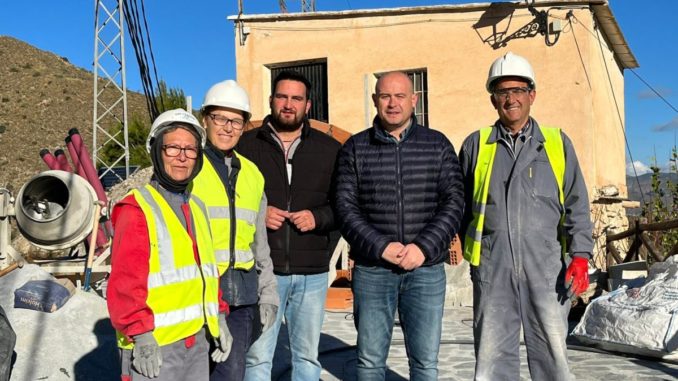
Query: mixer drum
[[55, 209]]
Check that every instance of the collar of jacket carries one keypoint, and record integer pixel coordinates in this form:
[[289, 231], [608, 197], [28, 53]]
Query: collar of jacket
[[217, 158], [496, 134], [265, 130], [381, 135], [171, 196]]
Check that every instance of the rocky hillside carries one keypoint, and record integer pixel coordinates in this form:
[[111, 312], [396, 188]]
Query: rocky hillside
[[42, 96]]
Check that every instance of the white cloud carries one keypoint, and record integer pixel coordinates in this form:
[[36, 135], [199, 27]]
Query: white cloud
[[641, 168]]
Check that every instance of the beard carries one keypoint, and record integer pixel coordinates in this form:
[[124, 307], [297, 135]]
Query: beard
[[286, 125]]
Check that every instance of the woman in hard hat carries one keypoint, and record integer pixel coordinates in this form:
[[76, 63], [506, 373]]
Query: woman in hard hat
[[232, 186], [163, 292]]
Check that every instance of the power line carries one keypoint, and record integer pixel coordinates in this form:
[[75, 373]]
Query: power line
[[631, 70], [139, 39], [581, 58], [150, 50], [621, 121], [653, 90]]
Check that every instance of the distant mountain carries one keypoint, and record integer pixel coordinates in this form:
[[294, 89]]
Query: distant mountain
[[42, 96], [645, 188]]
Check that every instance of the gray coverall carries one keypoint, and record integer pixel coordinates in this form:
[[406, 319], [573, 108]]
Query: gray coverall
[[520, 278]]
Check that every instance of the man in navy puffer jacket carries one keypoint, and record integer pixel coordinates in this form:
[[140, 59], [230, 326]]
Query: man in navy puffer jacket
[[399, 201]]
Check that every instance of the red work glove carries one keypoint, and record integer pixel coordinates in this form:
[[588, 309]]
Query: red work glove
[[577, 276]]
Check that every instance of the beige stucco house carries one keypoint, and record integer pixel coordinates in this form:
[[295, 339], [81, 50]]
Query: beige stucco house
[[576, 48]]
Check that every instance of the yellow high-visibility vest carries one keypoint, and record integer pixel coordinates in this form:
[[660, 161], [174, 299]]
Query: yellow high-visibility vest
[[248, 192], [182, 295], [553, 143]]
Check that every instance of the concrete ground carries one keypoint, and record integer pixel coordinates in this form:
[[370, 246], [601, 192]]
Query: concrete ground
[[77, 343], [456, 361]]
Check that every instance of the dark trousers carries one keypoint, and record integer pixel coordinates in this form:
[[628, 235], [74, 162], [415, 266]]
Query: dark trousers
[[180, 361], [245, 326]]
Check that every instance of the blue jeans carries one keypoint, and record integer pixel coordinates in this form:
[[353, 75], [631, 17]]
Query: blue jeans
[[419, 297], [302, 303]]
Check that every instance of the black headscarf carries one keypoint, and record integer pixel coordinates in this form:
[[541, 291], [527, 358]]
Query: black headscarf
[[159, 173]]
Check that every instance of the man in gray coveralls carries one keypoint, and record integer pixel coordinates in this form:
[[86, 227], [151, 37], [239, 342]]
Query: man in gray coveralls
[[525, 198]]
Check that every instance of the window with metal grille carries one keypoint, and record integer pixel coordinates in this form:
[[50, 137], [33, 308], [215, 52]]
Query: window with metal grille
[[419, 80], [316, 72]]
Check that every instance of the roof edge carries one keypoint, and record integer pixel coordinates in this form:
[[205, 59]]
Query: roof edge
[[272, 17], [601, 10], [613, 33]]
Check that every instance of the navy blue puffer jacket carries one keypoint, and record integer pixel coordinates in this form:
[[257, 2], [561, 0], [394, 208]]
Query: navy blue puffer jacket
[[409, 191]]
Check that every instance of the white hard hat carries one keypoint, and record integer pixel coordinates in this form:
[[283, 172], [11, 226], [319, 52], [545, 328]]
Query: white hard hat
[[510, 65], [228, 94], [171, 117]]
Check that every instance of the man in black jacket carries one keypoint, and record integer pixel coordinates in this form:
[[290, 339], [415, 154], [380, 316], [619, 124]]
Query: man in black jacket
[[399, 202], [297, 163]]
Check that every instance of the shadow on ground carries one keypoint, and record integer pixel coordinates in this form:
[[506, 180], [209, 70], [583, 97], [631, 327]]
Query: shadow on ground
[[337, 358], [102, 363]]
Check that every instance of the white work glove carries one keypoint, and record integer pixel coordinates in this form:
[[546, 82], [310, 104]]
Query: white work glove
[[267, 313], [223, 342], [146, 355]]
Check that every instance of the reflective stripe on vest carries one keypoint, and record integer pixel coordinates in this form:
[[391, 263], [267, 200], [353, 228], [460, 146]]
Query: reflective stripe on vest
[[249, 190], [555, 152], [189, 313], [182, 295]]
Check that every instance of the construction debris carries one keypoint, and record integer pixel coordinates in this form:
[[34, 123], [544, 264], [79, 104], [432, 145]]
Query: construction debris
[[608, 215], [639, 317], [74, 342], [135, 180]]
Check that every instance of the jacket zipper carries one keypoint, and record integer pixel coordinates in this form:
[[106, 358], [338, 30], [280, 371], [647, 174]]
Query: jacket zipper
[[231, 207], [399, 195], [288, 197]]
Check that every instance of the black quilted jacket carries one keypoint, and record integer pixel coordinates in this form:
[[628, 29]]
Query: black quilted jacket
[[409, 192]]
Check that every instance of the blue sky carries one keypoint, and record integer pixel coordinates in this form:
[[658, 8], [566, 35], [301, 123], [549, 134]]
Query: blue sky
[[194, 48]]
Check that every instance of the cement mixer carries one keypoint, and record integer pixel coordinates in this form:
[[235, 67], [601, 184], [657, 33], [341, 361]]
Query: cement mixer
[[54, 210]]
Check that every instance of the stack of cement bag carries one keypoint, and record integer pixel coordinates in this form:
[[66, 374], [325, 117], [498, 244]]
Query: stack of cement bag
[[640, 317], [75, 342]]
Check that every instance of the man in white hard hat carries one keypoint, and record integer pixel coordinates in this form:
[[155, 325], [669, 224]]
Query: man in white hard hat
[[233, 190], [297, 162], [527, 231]]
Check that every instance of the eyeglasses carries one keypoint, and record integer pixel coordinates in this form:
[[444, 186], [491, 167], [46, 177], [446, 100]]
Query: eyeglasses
[[172, 150], [515, 91], [222, 121]]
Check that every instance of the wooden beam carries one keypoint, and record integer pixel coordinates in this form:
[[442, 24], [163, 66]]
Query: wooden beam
[[650, 247], [613, 252], [663, 225], [633, 250]]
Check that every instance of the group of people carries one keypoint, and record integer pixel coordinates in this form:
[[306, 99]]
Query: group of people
[[231, 236]]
